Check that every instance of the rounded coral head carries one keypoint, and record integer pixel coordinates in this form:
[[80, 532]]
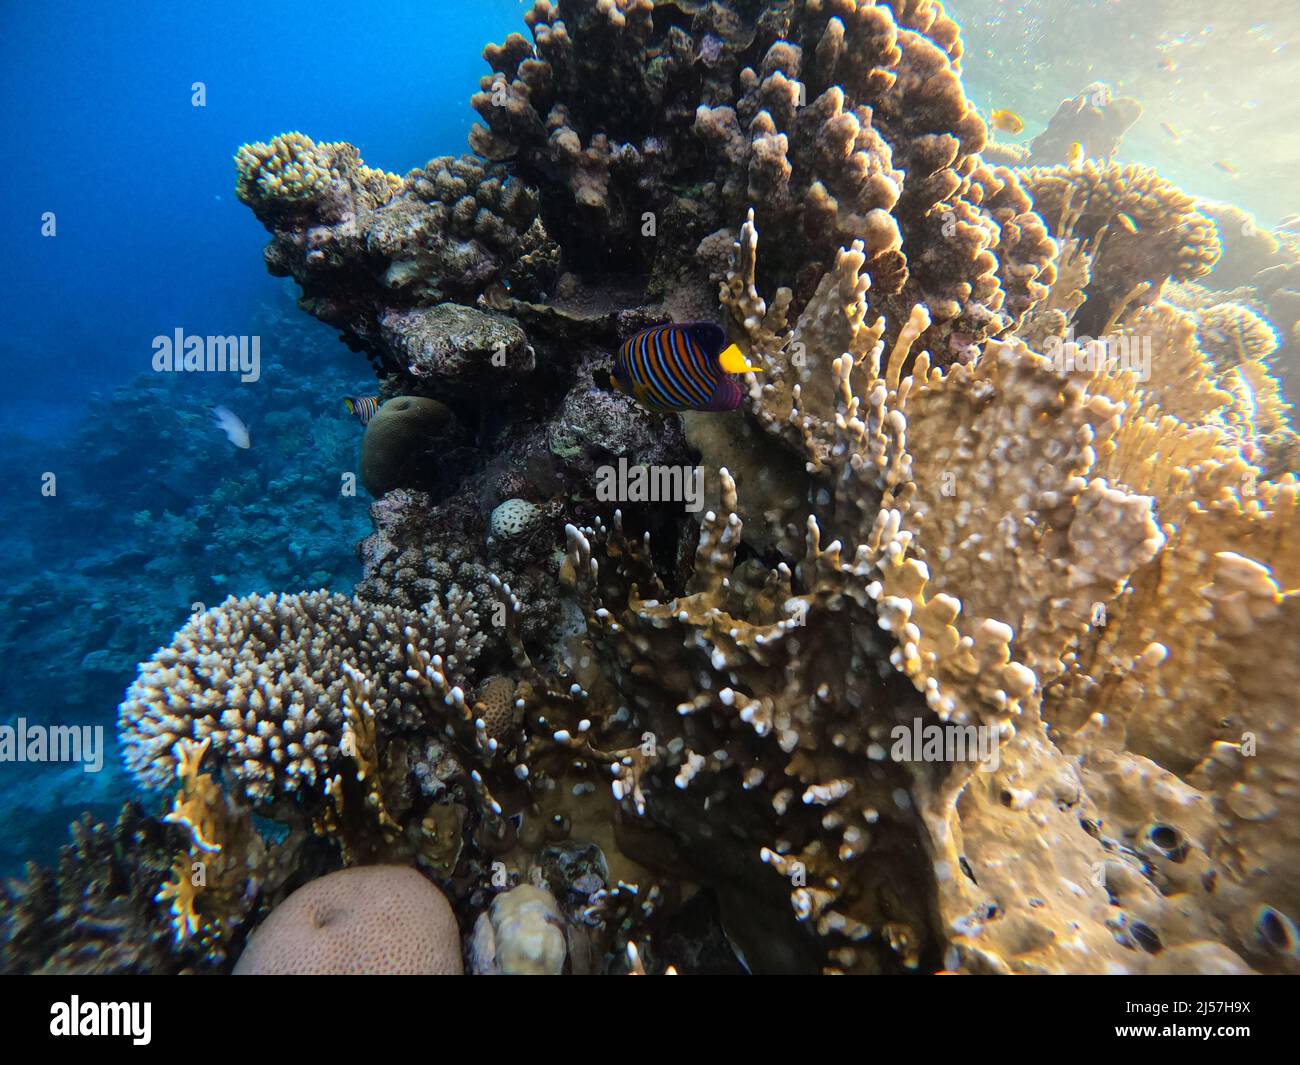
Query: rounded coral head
[[372, 920]]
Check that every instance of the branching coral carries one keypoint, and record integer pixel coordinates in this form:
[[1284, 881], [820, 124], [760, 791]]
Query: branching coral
[[263, 679], [839, 120]]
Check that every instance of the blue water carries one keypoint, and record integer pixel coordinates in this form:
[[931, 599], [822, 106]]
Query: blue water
[[154, 509]]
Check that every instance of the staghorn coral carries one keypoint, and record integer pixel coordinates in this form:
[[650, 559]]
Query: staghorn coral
[[1151, 232]]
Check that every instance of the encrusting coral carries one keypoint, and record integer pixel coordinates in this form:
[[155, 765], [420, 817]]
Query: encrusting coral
[[979, 654]]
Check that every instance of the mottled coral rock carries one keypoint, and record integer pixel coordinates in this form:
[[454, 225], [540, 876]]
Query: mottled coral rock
[[521, 934], [363, 244], [449, 342]]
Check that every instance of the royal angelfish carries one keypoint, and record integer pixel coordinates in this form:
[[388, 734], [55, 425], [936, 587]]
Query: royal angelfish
[[681, 367], [362, 408]]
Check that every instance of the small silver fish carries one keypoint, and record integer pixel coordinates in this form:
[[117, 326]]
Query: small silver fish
[[229, 423]]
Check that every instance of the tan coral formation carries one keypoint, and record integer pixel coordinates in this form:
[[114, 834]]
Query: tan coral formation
[[1110, 504], [1150, 230], [214, 883], [294, 173]]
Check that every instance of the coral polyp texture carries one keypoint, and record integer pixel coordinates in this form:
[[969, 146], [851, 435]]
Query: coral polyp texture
[[968, 644]]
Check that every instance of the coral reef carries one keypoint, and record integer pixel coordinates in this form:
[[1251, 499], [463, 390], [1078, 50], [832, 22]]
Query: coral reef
[[366, 246], [155, 513], [977, 656], [95, 911]]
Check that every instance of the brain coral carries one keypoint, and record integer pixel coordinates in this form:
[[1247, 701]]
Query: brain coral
[[397, 447], [378, 920]]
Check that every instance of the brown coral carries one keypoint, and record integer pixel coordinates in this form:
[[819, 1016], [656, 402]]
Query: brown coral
[[814, 114]]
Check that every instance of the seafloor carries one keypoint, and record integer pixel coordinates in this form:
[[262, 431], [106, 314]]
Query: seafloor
[[616, 732]]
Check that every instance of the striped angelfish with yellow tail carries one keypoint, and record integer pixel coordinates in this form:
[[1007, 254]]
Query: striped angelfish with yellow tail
[[362, 408], [681, 367]]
